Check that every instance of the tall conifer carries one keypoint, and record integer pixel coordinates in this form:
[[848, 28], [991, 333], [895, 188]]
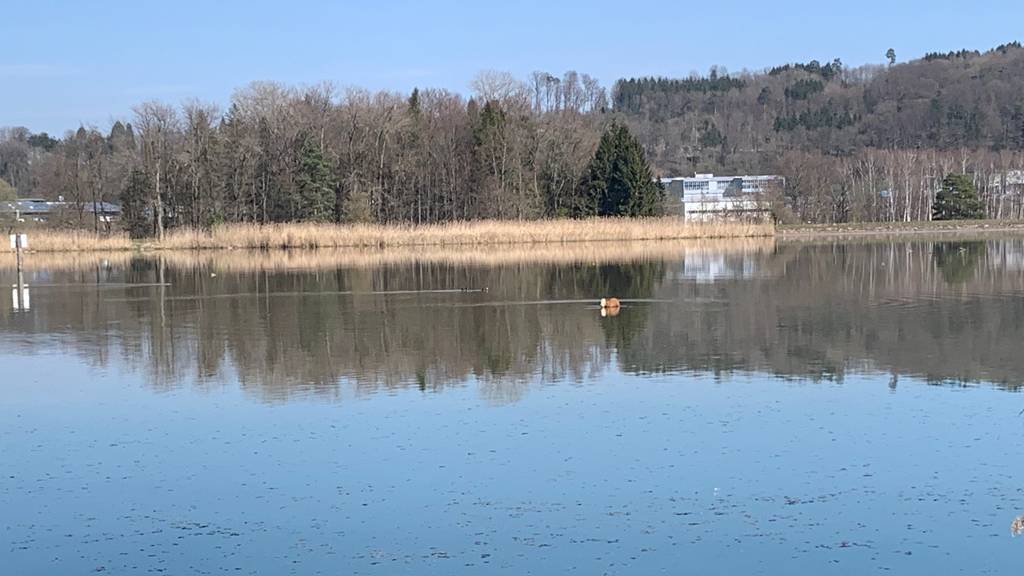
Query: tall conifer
[[618, 181]]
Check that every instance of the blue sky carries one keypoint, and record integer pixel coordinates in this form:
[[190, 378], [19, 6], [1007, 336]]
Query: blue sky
[[88, 62]]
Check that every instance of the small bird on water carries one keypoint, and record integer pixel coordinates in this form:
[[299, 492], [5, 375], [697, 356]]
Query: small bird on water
[[609, 302]]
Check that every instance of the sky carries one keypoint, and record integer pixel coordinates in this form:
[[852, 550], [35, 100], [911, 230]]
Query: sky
[[69, 63]]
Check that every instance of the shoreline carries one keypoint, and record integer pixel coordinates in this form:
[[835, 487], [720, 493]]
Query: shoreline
[[886, 230], [459, 235], [542, 236]]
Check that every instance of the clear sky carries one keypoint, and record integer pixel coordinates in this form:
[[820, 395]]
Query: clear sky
[[72, 62]]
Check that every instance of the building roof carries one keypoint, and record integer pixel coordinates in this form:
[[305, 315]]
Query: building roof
[[726, 179], [40, 206]]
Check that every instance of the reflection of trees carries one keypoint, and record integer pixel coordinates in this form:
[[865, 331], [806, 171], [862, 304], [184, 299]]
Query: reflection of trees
[[834, 308], [958, 260], [424, 324], [807, 311]]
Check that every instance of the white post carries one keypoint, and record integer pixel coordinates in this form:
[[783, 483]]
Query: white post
[[20, 242]]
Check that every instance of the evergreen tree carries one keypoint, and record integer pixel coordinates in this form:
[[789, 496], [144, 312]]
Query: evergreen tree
[[593, 187], [618, 181], [121, 138], [135, 209], [315, 184], [42, 140], [414, 102], [645, 196], [957, 200]]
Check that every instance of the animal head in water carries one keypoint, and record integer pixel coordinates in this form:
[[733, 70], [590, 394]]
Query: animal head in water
[[609, 302]]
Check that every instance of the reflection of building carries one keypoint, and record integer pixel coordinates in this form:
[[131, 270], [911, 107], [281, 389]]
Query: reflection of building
[[709, 267], [1005, 256], [37, 210], [706, 196]]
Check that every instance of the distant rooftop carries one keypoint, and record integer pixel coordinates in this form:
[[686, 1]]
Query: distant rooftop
[[711, 177], [31, 206]]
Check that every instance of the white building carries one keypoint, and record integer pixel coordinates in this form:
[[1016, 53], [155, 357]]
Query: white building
[[1007, 183], [707, 197]]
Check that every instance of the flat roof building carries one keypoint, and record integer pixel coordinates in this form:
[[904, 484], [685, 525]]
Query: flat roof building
[[706, 196]]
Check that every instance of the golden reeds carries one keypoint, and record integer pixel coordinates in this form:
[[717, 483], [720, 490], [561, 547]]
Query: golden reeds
[[45, 240], [240, 261], [476, 233], [454, 234]]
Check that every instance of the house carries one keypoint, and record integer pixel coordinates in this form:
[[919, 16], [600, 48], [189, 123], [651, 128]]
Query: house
[[708, 197], [39, 210], [1010, 183]]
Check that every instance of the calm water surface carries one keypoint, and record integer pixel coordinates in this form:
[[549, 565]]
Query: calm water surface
[[761, 408]]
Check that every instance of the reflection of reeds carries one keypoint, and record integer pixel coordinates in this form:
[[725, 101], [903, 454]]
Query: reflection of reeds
[[582, 252], [332, 258], [67, 260]]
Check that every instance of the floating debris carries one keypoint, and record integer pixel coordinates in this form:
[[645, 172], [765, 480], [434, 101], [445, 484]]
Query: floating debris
[[1017, 527]]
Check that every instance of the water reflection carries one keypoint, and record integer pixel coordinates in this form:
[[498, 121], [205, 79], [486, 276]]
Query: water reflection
[[314, 323], [958, 260]]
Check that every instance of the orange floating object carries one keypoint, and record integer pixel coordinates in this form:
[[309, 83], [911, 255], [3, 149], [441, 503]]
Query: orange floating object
[[609, 302]]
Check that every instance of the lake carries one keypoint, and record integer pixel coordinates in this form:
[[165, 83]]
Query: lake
[[758, 407]]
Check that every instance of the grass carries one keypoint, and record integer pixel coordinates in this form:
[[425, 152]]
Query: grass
[[459, 234]]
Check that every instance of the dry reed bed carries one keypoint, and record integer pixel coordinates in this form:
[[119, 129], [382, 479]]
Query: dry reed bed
[[479, 233], [233, 261], [44, 240], [454, 234]]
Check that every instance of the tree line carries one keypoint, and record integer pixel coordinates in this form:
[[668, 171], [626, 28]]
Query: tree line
[[866, 143], [873, 185], [514, 150]]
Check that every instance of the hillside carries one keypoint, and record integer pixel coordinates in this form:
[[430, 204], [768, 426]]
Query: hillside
[[965, 99]]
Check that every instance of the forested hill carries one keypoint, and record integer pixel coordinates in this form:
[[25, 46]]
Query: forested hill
[[867, 143], [965, 99]]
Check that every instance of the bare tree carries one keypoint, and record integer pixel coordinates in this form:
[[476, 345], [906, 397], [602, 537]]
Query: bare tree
[[159, 127]]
